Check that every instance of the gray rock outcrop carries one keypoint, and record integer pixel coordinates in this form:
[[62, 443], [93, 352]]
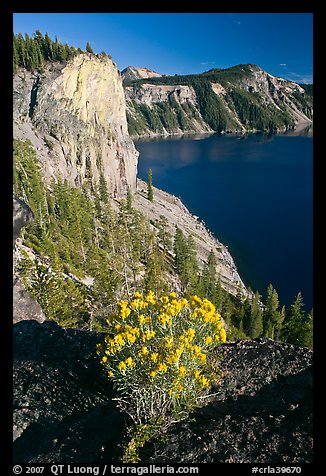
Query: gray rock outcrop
[[24, 306]]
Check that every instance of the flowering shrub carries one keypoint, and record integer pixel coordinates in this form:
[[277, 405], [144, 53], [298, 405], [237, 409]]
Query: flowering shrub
[[157, 355]]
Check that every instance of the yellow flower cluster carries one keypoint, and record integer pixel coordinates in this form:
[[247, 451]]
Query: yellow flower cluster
[[162, 341]]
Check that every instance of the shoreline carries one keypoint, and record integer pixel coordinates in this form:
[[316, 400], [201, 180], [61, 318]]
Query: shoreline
[[302, 128]]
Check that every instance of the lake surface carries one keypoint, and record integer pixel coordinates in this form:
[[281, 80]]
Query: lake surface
[[254, 193]]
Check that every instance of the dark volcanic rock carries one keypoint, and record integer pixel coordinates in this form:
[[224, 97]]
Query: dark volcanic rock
[[261, 411], [63, 408]]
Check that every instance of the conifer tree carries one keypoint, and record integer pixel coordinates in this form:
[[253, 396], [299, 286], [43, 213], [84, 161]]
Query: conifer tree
[[256, 318], [150, 194], [271, 316], [89, 49], [219, 294], [103, 189], [129, 200], [163, 235], [293, 327], [208, 278]]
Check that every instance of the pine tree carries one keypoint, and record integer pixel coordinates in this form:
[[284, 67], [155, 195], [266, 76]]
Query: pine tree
[[306, 339], [219, 294], [185, 261], [256, 318], [15, 55], [103, 189], [208, 278], [129, 200], [89, 49], [271, 315], [163, 235], [150, 194], [292, 330]]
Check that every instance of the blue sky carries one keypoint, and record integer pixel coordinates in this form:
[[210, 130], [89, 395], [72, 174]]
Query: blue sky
[[185, 43]]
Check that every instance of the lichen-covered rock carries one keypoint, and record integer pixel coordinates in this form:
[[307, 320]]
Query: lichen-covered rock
[[64, 412], [77, 110]]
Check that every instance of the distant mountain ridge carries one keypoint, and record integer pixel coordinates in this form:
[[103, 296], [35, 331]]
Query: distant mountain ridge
[[238, 99], [132, 73]]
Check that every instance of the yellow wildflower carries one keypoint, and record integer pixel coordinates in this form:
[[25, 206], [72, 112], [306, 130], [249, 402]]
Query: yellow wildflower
[[169, 342], [204, 382], [172, 358], [150, 297], [196, 350], [164, 299], [147, 335], [144, 350], [118, 340], [182, 371], [104, 359], [191, 334], [195, 301], [130, 338], [202, 357], [208, 340], [122, 366], [129, 362], [124, 313], [223, 335], [154, 356], [162, 368], [197, 374], [141, 319]]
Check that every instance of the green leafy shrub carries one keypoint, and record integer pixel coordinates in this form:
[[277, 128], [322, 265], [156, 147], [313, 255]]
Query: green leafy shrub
[[157, 355]]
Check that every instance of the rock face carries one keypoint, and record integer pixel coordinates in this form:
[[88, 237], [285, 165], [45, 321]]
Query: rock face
[[63, 412], [74, 114], [24, 307], [175, 105], [131, 73]]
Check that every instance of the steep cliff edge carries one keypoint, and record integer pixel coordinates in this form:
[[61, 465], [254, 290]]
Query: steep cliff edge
[[74, 114]]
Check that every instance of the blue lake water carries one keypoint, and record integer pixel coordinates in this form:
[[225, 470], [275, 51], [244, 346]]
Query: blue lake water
[[254, 193]]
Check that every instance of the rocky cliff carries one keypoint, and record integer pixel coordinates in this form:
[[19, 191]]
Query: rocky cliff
[[74, 114], [239, 99]]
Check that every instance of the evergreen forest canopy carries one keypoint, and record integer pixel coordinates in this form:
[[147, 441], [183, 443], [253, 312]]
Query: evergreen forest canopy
[[32, 52], [80, 254]]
